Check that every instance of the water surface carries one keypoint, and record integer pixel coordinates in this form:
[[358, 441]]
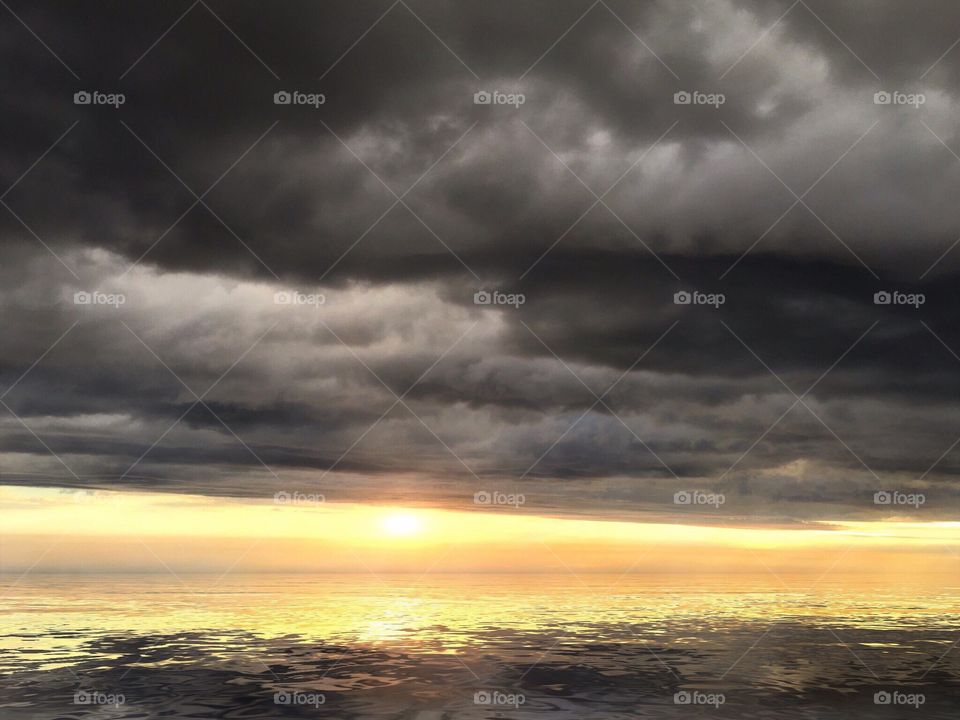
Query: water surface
[[440, 646]]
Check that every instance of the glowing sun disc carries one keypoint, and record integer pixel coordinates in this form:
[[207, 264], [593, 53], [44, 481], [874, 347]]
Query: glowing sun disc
[[401, 525]]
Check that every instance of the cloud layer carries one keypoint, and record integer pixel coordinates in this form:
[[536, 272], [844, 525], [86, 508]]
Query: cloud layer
[[797, 199]]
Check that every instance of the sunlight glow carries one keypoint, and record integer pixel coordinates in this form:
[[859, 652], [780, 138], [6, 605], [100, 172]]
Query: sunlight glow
[[298, 532], [401, 525]]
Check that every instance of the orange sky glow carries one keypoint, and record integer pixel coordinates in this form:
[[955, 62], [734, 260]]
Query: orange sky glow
[[65, 531]]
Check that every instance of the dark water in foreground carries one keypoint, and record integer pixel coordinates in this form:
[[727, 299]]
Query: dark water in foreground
[[483, 646]]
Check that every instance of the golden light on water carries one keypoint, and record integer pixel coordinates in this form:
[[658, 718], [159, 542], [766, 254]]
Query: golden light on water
[[258, 583]]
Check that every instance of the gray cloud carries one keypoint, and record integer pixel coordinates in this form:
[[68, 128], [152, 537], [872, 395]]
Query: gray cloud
[[499, 197]]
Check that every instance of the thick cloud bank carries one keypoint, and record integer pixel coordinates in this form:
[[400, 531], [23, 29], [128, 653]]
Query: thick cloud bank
[[207, 288]]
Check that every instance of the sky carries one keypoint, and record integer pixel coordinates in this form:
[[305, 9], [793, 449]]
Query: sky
[[64, 531], [285, 295]]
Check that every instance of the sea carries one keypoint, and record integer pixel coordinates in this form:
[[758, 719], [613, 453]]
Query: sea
[[477, 646]]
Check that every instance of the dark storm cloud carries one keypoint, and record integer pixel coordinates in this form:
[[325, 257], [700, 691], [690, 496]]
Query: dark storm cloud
[[400, 99], [599, 198]]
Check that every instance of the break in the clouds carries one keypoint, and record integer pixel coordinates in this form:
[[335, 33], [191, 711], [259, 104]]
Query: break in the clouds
[[206, 289]]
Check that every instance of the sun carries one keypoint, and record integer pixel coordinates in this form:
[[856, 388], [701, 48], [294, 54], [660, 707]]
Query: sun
[[401, 525]]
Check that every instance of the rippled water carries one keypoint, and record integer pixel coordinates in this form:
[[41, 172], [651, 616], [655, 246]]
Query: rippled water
[[405, 647]]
